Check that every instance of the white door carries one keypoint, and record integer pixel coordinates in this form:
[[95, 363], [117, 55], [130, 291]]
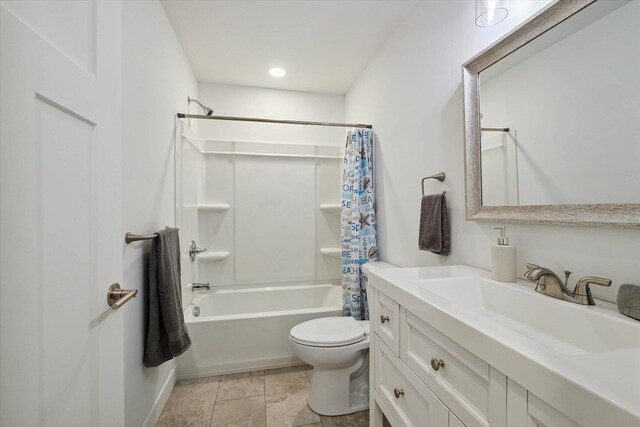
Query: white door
[[61, 347]]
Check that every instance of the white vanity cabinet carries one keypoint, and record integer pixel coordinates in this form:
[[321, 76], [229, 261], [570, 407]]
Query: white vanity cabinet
[[525, 409], [422, 378], [407, 399], [474, 391], [387, 323]]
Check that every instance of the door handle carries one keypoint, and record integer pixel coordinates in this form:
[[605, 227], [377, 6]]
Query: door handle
[[117, 297]]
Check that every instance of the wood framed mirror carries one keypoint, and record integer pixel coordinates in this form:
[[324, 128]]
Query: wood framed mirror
[[552, 119]]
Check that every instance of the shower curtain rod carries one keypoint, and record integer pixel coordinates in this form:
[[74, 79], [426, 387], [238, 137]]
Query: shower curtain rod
[[288, 122]]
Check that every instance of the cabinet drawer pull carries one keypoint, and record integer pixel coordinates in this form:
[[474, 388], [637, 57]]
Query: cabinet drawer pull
[[437, 363], [398, 392], [384, 318]]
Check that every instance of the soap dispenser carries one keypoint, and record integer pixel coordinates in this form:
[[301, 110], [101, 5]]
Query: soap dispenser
[[503, 258]]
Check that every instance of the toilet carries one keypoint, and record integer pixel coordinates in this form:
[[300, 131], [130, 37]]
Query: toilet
[[338, 350]]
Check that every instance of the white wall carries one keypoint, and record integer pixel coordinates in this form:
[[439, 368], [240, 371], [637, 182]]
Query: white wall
[[412, 93], [157, 78], [229, 100]]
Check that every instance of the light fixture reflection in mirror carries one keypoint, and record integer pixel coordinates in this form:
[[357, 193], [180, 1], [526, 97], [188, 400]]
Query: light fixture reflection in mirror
[[491, 12]]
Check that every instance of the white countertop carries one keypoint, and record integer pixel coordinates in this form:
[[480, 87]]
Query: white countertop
[[583, 360]]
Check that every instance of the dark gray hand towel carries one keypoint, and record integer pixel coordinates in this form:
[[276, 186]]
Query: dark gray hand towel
[[167, 335], [629, 301], [434, 225]]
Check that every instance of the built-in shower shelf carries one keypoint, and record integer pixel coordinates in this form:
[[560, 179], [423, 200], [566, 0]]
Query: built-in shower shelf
[[214, 207], [264, 148], [213, 256], [333, 252], [331, 207]]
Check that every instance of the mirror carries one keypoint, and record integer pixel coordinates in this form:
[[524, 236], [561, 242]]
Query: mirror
[[552, 119]]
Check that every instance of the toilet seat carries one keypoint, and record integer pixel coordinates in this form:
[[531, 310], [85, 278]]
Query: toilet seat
[[329, 332]]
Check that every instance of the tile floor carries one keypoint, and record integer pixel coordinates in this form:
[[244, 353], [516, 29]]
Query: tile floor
[[274, 398]]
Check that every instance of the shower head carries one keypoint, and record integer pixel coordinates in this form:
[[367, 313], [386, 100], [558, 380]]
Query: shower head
[[208, 111]]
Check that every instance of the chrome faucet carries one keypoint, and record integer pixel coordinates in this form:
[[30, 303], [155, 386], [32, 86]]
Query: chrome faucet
[[548, 283], [196, 286]]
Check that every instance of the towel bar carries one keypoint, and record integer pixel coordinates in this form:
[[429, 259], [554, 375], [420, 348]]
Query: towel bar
[[439, 176], [130, 237]]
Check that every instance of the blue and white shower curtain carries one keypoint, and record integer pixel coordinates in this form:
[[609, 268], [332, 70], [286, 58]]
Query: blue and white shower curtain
[[358, 221]]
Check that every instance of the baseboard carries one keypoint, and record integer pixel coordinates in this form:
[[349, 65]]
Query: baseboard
[[235, 368], [161, 399]]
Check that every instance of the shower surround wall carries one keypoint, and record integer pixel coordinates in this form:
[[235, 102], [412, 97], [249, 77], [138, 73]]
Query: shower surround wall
[[264, 200], [261, 214], [273, 229]]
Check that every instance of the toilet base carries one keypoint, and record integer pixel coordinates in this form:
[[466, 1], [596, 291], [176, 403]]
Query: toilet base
[[340, 391]]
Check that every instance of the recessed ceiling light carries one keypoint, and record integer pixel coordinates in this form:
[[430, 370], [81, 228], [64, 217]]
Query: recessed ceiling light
[[277, 72]]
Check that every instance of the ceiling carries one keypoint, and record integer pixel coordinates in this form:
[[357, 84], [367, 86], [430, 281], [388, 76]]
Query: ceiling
[[323, 45]]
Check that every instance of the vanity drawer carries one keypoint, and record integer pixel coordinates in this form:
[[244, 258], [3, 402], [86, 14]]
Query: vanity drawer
[[474, 391], [410, 401], [541, 414], [387, 321]]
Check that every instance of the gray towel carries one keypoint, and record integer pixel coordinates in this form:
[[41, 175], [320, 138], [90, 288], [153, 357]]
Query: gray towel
[[167, 335], [629, 301], [434, 225]]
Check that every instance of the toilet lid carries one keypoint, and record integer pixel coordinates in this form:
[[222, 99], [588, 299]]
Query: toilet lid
[[329, 332]]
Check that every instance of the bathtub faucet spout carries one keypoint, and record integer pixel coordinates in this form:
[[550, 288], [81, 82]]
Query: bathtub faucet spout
[[196, 286]]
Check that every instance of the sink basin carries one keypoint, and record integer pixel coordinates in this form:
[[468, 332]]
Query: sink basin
[[562, 326]]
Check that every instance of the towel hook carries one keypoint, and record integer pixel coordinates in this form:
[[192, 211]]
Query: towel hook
[[439, 176]]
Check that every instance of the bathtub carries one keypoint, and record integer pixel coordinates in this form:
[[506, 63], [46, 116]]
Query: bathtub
[[243, 328]]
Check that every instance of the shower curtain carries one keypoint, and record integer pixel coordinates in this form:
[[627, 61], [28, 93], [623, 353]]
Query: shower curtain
[[358, 221]]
